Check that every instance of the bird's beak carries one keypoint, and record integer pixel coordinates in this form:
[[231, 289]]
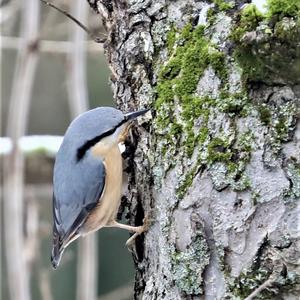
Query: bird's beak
[[135, 114], [127, 118]]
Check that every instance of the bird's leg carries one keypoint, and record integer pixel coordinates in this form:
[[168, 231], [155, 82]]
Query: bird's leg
[[136, 229]]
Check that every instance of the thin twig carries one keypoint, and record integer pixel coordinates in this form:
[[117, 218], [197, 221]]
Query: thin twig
[[262, 287], [64, 12]]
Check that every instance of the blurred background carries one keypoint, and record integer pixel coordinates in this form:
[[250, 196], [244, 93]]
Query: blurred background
[[50, 72]]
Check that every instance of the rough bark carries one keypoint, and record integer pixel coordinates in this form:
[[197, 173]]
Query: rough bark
[[217, 166]]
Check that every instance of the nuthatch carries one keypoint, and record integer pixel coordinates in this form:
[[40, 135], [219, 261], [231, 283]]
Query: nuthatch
[[88, 177]]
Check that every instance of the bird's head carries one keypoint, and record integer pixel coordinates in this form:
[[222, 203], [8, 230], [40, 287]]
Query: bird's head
[[102, 126]]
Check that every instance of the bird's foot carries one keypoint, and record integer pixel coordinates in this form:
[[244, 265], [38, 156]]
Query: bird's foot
[[147, 222]]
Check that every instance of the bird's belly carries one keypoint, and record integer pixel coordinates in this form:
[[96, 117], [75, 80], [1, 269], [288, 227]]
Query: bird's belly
[[106, 210]]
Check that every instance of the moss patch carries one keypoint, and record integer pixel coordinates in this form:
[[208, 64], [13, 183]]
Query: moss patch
[[265, 114], [223, 5], [283, 8], [179, 108], [266, 45], [190, 55]]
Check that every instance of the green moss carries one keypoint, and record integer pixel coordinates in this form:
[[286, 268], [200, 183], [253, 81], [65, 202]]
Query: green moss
[[233, 103], [211, 16], [171, 38], [245, 143], [264, 114], [283, 8], [191, 54], [274, 56], [223, 5], [179, 109], [194, 57], [172, 69], [262, 269], [280, 120], [249, 19], [186, 183], [165, 93], [287, 29], [234, 156], [182, 117], [217, 61], [258, 273], [218, 150], [175, 130]]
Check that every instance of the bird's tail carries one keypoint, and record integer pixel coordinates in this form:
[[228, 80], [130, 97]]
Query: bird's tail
[[57, 249], [56, 254], [59, 246]]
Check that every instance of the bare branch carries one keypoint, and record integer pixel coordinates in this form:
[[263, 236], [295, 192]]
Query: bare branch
[[92, 36]]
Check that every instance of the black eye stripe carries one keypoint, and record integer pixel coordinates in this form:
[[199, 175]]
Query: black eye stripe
[[90, 143]]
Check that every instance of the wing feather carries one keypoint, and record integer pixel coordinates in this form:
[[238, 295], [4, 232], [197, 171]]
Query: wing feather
[[75, 194]]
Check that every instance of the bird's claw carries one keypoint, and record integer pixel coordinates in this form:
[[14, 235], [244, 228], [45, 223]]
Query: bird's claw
[[147, 222], [130, 241]]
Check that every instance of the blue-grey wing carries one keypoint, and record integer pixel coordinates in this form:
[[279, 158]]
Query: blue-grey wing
[[78, 187]]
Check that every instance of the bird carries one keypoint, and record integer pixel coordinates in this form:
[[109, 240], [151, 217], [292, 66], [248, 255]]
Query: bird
[[87, 177]]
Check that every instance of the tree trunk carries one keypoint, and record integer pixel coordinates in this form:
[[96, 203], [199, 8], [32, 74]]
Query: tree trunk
[[217, 167]]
